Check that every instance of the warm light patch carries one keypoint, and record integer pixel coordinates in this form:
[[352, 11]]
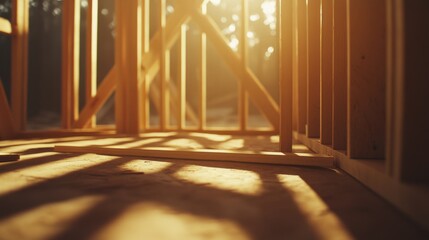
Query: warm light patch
[[146, 167], [234, 180], [156, 221], [183, 143], [323, 221], [231, 144], [212, 137]]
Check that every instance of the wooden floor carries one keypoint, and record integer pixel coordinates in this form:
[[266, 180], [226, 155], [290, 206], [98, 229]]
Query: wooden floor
[[51, 195]]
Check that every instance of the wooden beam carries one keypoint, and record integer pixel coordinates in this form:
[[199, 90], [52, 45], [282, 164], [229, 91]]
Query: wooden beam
[[5, 26], [326, 65], [243, 106], [128, 60], [70, 63], [164, 68], [144, 96], [313, 58], [91, 54], [295, 65], [339, 84], [203, 74], [302, 66], [181, 101], [208, 154], [257, 93], [286, 73], [366, 79], [19, 71]]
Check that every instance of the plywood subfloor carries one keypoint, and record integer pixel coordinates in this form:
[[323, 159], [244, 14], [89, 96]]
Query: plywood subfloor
[[50, 195]]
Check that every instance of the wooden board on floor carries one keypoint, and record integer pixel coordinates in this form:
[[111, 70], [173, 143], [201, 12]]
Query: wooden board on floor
[[313, 160], [200, 146]]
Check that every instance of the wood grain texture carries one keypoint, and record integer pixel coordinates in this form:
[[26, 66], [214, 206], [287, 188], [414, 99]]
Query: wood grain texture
[[339, 84], [286, 74], [366, 79], [70, 63], [302, 66], [128, 60], [19, 62], [326, 65], [313, 59], [91, 55]]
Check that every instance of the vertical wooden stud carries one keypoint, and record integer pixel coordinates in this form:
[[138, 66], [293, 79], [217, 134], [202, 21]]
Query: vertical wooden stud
[[128, 62], [181, 104], [243, 98], [302, 65], [19, 72], [143, 97], [326, 73], [91, 54], [164, 61], [286, 75], [339, 94], [366, 78], [70, 63], [203, 76], [295, 67], [313, 59]]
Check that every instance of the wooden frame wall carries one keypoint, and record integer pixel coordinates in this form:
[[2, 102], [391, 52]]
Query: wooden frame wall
[[361, 84], [379, 71]]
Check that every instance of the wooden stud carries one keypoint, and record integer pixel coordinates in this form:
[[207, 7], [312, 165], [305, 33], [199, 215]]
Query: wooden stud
[[339, 92], [163, 67], [144, 96], [91, 54], [243, 107], [366, 79], [203, 74], [128, 61], [181, 103], [19, 71], [302, 66], [286, 73], [295, 69], [326, 67], [5, 26], [313, 59], [70, 63], [257, 93]]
